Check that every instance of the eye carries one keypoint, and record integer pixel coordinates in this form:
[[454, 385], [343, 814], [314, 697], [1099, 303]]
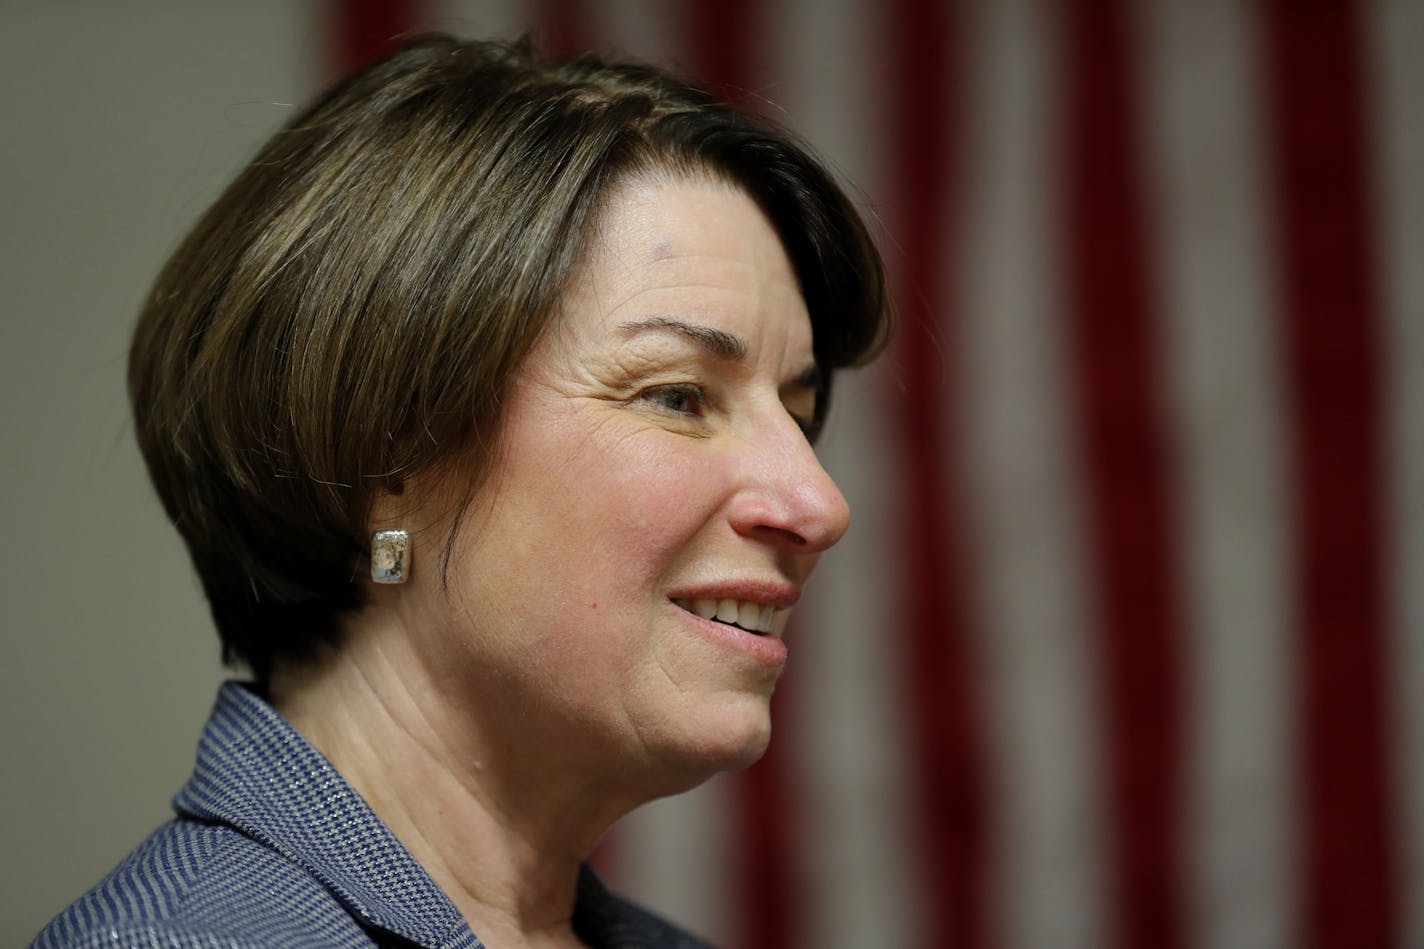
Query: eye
[[682, 399]]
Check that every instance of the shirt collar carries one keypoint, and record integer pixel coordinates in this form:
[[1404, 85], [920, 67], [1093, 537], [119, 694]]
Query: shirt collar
[[256, 773]]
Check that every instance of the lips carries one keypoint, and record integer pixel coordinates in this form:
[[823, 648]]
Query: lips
[[748, 615]]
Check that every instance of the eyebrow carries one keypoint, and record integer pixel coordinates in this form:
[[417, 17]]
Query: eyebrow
[[720, 343]]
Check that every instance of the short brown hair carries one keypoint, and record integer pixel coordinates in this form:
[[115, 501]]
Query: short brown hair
[[351, 309]]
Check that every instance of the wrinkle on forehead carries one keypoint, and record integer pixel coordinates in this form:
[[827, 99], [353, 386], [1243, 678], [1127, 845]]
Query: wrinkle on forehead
[[681, 262]]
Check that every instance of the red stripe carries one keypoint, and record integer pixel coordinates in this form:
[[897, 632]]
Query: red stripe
[[767, 881], [1331, 342], [722, 47], [945, 707], [721, 52], [563, 27], [365, 29], [1117, 360]]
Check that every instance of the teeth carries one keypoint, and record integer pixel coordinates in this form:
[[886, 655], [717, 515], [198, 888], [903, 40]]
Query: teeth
[[754, 621], [750, 616]]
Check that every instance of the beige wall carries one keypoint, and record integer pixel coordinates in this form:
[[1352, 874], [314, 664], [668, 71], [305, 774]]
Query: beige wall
[[120, 122]]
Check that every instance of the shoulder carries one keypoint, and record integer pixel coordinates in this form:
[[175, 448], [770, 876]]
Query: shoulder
[[198, 884]]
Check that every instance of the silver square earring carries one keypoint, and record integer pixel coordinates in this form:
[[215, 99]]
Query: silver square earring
[[390, 556]]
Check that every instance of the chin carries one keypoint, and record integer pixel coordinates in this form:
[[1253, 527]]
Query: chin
[[729, 740]]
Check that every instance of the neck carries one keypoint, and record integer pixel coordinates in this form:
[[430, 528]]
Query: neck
[[470, 792]]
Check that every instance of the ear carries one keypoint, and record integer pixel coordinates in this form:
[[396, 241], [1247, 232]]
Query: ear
[[390, 530], [407, 514]]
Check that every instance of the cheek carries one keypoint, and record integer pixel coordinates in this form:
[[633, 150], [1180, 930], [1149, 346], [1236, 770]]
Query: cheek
[[591, 529], [565, 577], [663, 494]]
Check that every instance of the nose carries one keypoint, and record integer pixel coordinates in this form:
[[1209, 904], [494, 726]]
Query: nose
[[788, 499]]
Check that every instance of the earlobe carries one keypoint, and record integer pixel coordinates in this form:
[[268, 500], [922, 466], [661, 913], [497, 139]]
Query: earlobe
[[390, 556]]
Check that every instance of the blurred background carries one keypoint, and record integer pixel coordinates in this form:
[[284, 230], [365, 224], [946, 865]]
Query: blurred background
[[1126, 644]]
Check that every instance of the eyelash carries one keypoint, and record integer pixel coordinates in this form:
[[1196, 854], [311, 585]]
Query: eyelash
[[665, 396]]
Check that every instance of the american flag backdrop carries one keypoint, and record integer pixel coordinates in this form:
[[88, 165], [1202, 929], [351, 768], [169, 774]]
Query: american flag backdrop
[[1126, 644]]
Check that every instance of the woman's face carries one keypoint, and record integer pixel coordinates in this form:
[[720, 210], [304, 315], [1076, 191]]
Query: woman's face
[[653, 472]]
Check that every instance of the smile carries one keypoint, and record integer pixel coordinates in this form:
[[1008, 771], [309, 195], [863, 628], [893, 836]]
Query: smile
[[744, 614]]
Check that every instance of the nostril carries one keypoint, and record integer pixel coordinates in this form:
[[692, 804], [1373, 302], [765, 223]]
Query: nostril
[[788, 499], [780, 535], [799, 521]]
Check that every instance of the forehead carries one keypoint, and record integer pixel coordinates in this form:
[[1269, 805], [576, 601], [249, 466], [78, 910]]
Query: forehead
[[690, 249]]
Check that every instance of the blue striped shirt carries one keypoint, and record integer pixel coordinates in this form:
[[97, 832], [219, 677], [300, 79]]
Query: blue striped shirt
[[272, 848]]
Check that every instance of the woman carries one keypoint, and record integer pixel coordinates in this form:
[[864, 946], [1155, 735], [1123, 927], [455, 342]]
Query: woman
[[545, 345]]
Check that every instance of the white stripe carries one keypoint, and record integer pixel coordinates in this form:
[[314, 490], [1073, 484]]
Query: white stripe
[[1025, 523], [850, 699], [824, 85], [1205, 155], [674, 855], [478, 19], [1394, 41], [645, 30]]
